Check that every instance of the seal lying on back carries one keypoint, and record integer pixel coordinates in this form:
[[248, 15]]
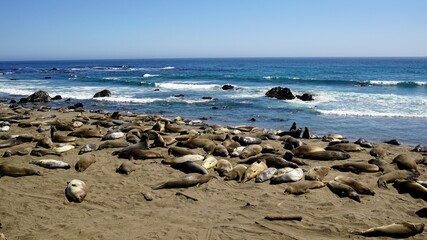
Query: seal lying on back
[[75, 191], [191, 180], [395, 230], [12, 171], [325, 155]]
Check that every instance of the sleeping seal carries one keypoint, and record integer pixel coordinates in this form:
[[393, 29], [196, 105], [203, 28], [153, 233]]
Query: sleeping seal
[[326, 155], [302, 187], [358, 186], [84, 162], [237, 173], [75, 191], [51, 163], [395, 230], [390, 177], [287, 175], [343, 190], [356, 167], [12, 171], [317, 173], [412, 187], [191, 180], [406, 162]]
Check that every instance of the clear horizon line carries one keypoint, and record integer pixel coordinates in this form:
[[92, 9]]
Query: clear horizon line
[[183, 58]]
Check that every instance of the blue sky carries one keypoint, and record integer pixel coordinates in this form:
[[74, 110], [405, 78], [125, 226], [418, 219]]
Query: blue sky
[[95, 29]]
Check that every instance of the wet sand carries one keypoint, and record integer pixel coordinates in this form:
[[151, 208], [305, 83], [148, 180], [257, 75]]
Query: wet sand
[[35, 207]]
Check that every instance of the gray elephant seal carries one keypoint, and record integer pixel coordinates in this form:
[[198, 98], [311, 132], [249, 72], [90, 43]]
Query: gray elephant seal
[[395, 230], [303, 187], [84, 162], [420, 148], [220, 150], [266, 175], [75, 191], [287, 175], [358, 186], [412, 187], [126, 167], [317, 173], [406, 162], [12, 171], [250, 151], [356, 167], [43, 152], [51, 164], [88, 148], [326, 155], [393, 176], [189, 167], [343, 190], [346, 147], [191, 180]]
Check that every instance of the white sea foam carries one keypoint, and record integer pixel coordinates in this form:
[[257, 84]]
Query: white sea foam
[[167, 68], [371, 113], [127, 99], [393, 83], [147, 75], [13, 91], [186, 86]]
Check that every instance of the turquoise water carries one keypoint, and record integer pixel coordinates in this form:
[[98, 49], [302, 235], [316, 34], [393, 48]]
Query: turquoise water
[[375, 98]]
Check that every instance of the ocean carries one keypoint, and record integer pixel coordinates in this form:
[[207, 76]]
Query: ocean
[[375, 98]]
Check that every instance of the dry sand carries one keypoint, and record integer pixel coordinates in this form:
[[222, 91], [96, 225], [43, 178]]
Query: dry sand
[[35, 207]]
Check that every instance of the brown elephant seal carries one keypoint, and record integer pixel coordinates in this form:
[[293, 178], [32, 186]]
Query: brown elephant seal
[[220, 150], [45, 143], [230, 144], [185, 158], [214, 137], [191, 180], [406, 162], [412, 187], [378, 152], [196, 143], [317, 173], [75, 191], [346, 147], [173, 128], [267, 148], [10, 143], [223, 166], [190, 167], [140, 154], [358, 186], [326, 155], [84, 162], [382, 165], [142, 145], [179, 151], [395, 230], [158, 141], [88, 133], [250, 151], [126, 167], [246, 141], [390, 177], [343, 190], [17, 151], [113, 144], [237, 173], [56, 137], [306, 149], [12, 171], [422, 212], [254, 170], [302, 187], [356, 167]]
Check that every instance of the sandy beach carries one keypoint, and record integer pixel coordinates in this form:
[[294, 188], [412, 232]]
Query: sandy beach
[[35, 207]]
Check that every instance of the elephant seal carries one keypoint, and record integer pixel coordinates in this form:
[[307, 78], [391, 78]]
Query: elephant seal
[[158, 141], [45, 143], [142, 145], [84, 162], [191, 180], [126, 167], [43, 152], [179, 151], [306, 149], [88, 148], [196, 143], [230, 144], [190, 167], [250, 151], [382, 165], [422, 212], [223, 166], [173, 128], [265, 175], [363, 143], [406, 162], [237, 173], [56, 137], [317, 173], [10, 143], [356, 167], [140, 154], [63, 148], [12, 171], [214, 137], [75, 191], [378, 152], [287, 175], [393, 176], [326, 155], [18, 151], [87, 133], [346, 147], [420, 148], [412, 187], [307, 134], [267, 148], [185, 158], [254, 170], [358, 186], [220, 150], [278, 162], [343, 190], [395, 230], [209, 162], [113, 136], [246, 141], [113, 144], [237, 151], [51, 164], [302, 187]]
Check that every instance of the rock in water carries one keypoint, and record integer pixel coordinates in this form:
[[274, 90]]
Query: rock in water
[[280, 93], [103, 93]]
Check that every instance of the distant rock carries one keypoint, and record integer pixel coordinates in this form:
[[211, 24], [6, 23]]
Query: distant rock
[[305, 97], [207, 98], [57, 97], [76, 106], [39, 96], [103, 93], [179, 96], [47, 77], [280, 93], [227, 87]]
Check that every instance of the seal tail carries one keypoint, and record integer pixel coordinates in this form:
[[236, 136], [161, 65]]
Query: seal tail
[[158, 186], [356, 232]]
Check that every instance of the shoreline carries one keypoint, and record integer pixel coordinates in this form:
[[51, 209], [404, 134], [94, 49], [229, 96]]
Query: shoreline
[[34, 207]]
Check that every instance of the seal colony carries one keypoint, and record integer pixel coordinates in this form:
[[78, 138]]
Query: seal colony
[[237, 174]]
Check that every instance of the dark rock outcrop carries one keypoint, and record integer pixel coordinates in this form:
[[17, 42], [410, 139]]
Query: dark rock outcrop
[[280, 93], [227, 87], [103, 93], [57, 97], [39, 96], [305, 97]]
